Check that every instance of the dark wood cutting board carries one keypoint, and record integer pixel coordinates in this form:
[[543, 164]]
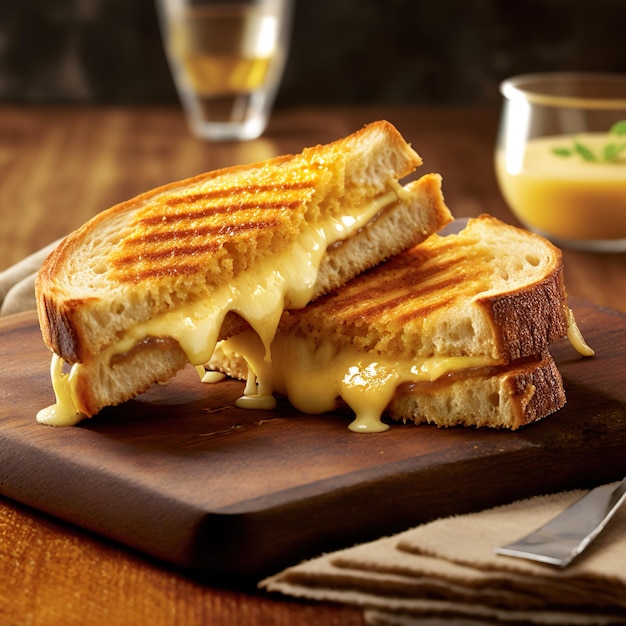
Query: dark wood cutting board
[[184, 476]]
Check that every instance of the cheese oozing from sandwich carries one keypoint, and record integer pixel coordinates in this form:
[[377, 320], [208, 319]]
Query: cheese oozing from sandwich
[[575, 336], [314, 377], [259, 295]]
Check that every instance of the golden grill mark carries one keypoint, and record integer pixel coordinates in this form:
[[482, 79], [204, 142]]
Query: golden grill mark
[[161, 236], [177, 252], [160, 271], [412, 284], [426, 310], [173, 233], [166, 253], [405, 286], [193, 198], [172, 218], [387, 307]]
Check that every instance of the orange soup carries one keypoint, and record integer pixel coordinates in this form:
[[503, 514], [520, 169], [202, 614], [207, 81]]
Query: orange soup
[[566, 197]]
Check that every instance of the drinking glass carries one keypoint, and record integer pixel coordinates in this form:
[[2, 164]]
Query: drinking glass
[[561, 157], [227, 59]]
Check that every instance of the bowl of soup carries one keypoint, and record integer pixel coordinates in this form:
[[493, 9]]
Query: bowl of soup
[[560, 157]]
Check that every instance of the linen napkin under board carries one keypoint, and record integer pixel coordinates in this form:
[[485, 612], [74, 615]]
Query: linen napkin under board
[[447, 569]]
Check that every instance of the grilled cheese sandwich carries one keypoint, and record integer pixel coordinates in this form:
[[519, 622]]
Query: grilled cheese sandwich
[[152, 284]]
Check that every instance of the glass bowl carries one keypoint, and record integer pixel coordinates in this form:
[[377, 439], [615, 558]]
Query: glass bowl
[[561, 157]]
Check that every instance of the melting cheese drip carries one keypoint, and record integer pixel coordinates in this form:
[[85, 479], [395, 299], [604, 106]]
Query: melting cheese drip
[[259, 295], [63, 412], [313, 378], [575, 336]]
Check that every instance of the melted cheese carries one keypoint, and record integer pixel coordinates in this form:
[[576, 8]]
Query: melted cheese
[[259, 295], [576, 337], [63, 412], [314, 378]]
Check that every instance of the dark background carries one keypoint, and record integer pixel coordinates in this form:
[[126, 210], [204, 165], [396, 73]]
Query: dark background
[[343, 51]]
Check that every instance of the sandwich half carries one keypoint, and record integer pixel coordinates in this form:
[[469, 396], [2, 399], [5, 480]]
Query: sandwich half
[[454, 331], [152, 283]]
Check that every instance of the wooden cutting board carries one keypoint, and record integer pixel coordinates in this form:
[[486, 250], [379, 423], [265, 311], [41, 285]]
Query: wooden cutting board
[[184, 476]]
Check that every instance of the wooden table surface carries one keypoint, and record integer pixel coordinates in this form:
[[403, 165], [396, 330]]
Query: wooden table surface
[[61, 165]]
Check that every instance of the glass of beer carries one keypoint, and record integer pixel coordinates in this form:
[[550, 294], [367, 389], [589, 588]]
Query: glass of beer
[[561, 157], [227, 59]]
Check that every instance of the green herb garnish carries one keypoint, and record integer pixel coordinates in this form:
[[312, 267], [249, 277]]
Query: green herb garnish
[[610, 152]]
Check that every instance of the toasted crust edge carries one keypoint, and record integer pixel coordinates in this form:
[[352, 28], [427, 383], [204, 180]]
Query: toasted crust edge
[[528, 320]]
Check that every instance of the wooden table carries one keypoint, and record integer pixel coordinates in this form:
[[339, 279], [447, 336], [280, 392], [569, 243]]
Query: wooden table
[[60, 166]]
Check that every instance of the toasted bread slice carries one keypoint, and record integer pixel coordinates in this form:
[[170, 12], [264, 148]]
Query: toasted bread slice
[[461, 320], [491, 290], [151, 283], [509, 396]]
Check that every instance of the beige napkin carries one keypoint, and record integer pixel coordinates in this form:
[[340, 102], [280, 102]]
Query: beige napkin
[[17, 283], [448, 569]]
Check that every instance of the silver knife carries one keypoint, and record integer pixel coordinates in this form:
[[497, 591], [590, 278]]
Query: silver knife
[[562, 539]]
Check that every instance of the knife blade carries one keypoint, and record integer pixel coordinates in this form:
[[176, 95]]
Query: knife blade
[[563, 538]]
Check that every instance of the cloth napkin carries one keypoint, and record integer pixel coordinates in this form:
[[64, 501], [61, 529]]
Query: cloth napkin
[[447, 570], [17, 283]]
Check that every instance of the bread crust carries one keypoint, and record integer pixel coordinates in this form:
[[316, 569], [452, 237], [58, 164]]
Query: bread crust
[[530, 319]]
